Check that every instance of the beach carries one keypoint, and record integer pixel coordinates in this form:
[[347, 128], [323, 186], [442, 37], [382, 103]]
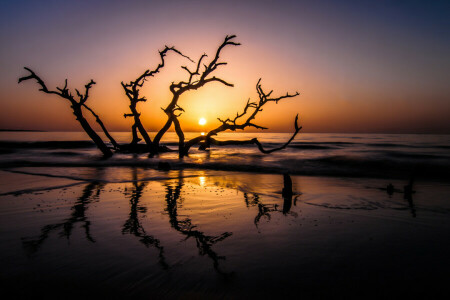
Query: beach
[[130, 231], [277, 150]]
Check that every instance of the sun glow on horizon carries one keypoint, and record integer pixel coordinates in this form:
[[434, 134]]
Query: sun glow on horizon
[[202, 121]]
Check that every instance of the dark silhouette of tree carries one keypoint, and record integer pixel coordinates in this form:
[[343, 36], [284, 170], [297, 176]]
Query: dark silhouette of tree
[[76, 106], [266, 210], [91, 193], [196, 80], [198, 77], [185, 227], [287, 193], [233, 124], [132, 90], [134, 226]]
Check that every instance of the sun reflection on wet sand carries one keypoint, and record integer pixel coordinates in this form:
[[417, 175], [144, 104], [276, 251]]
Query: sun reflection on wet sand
[[197, 228], [202, 180]]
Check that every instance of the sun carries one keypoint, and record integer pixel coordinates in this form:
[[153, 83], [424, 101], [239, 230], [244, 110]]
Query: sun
[[202, 121]]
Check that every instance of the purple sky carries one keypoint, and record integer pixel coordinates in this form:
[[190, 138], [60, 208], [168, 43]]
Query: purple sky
[[360, 66]]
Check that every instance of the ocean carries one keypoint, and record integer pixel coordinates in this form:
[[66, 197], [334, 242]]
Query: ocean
[[217, 225], [359, 155]]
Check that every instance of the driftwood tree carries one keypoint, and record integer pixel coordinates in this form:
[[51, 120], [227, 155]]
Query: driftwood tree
[[132, 90], [249, 113], [199, 76], [195, 81], [76, 106]]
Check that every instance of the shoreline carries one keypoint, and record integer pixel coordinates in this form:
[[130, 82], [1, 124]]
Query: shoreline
[[369, 156], [431, 176], [218, 234], [78, 175], [22, 130]]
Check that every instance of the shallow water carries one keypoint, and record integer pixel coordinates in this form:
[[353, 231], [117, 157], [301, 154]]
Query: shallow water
[[119, 231], [357, 155]]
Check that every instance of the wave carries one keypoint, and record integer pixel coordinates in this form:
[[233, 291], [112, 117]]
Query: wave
[[324, 143], [66, 153], [6, 151], [365, 158], [311, 147], [393, 145], [414, 155], [9, 146], [389, 145], [349, 166]]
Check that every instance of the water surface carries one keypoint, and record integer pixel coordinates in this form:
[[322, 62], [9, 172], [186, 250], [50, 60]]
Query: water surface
[[122, 232], [357, 155], [217, 226]]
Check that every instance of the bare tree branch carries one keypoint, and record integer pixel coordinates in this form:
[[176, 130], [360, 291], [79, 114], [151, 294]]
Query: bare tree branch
[[42, 84], [233, 125], [132, 91], [196, 80], [105, 131], [198, 76], [76, 108]]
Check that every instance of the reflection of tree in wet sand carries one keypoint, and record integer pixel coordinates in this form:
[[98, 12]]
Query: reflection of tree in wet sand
[[91, 193], [133, 224], [265, 210], [204, 242], [408, 197]]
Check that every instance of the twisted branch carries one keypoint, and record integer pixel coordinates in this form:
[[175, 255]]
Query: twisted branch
[[76, 108], [132, 91], [195, 81], [233, 125]]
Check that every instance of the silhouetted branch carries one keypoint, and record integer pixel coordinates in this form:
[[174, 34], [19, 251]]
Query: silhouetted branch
[[75, 105], [62, 92], [265, 210], [132, 91], [196, 80], [204, 242], [78, 215], [99, 121], [84, 97], [199, 76], [233, 125], [133, 224]]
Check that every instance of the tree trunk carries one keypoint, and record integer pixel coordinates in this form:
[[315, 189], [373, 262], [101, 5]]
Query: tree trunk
[[181, 150], [136, 139], [99, 121], [170, 118], [141, 129], [92, 134], [161, 132]]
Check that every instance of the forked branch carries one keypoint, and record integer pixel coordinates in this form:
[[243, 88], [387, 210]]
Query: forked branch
[[250, 111], [132, 90], [196, 80], [76, 108], [200, 74]]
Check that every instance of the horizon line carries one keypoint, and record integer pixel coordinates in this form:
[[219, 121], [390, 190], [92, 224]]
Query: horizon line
[[308, 132]]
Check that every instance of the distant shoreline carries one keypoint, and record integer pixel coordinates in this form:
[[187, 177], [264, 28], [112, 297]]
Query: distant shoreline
[[28, 130], [249, 132]]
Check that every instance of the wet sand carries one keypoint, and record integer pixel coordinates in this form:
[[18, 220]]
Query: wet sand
[[122, 232]]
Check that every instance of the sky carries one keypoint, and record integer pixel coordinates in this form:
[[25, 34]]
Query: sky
[[359, 66]]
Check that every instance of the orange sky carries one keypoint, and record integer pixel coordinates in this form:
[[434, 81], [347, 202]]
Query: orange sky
[[356, 71]]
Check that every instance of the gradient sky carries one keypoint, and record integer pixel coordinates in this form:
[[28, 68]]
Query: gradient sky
[[360, 66]]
